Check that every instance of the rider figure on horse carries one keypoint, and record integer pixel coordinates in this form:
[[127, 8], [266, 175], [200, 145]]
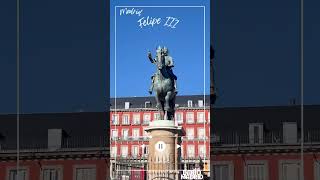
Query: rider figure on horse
[[168, 63]]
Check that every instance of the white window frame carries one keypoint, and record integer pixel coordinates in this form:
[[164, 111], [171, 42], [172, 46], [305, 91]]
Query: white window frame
[[189, 148], [204, 133], [281, 162], [85, 166], [132, 150], [190, 129], [126, 105], [190, 120], [112, 153], [205, 150], [256, 162], [121, 150], [122, 134], [136, 118], [124, 121], [59, 168], [112, 134], [223, 163], [115, 119], [260, 127], [145, 134], [144, 118], [203, 117], [133, 133], [179, 121], [190, 103], [156, 116], [25, 168]]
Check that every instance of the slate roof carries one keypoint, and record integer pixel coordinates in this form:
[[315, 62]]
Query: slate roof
[[82, 129], [237, 119]]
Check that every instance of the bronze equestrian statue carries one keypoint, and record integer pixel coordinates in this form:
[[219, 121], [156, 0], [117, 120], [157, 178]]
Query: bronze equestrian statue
[[164, 83]]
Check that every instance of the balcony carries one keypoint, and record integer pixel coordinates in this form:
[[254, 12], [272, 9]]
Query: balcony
[[131, 138], [270, 138], [192, 138]]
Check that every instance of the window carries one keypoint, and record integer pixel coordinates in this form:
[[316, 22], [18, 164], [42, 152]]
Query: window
[[200, 117], [189, 103], [290, 132], [202, 150], [160, 146], [51, 173], [145, 134], [146, 118], [115, 119], [256, 170], [289, 170], [201, 133], [126, 105], [190, 151], [136, 118], [256, 133], [125, 134], [190, 117], [135, 151], [125, 119], [124, 151], [22, 175], [221, 172], [85, 173], [200, 103], [182, 153], [156, 116], [114, 151], [114, 133], [179, 117], [135, 133], [209, 117], [317, 169], [190, 133]]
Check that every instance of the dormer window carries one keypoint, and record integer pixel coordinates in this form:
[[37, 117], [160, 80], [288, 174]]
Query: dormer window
[[126, 105], [189, 103], [290, 135], [200, 103], [256, 133]]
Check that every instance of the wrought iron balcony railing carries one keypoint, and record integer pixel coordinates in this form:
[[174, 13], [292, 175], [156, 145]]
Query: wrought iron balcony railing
[[270, 138]]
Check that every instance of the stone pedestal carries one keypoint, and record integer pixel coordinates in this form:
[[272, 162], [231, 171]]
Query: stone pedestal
[[163, 151]]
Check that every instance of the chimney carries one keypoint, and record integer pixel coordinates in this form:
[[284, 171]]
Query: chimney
[[54, 139]]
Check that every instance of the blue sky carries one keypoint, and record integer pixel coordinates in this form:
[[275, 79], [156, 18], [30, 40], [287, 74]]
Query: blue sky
[[64, 53], [186, 44]]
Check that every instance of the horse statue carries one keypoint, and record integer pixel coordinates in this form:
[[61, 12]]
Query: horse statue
[[163, 84]]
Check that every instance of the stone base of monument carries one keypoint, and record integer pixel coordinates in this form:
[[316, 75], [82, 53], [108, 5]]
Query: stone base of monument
[[163, 151]]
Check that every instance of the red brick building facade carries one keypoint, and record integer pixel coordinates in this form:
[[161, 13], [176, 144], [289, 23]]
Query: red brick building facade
[[57, 146], [129, 141], [264, 143]]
